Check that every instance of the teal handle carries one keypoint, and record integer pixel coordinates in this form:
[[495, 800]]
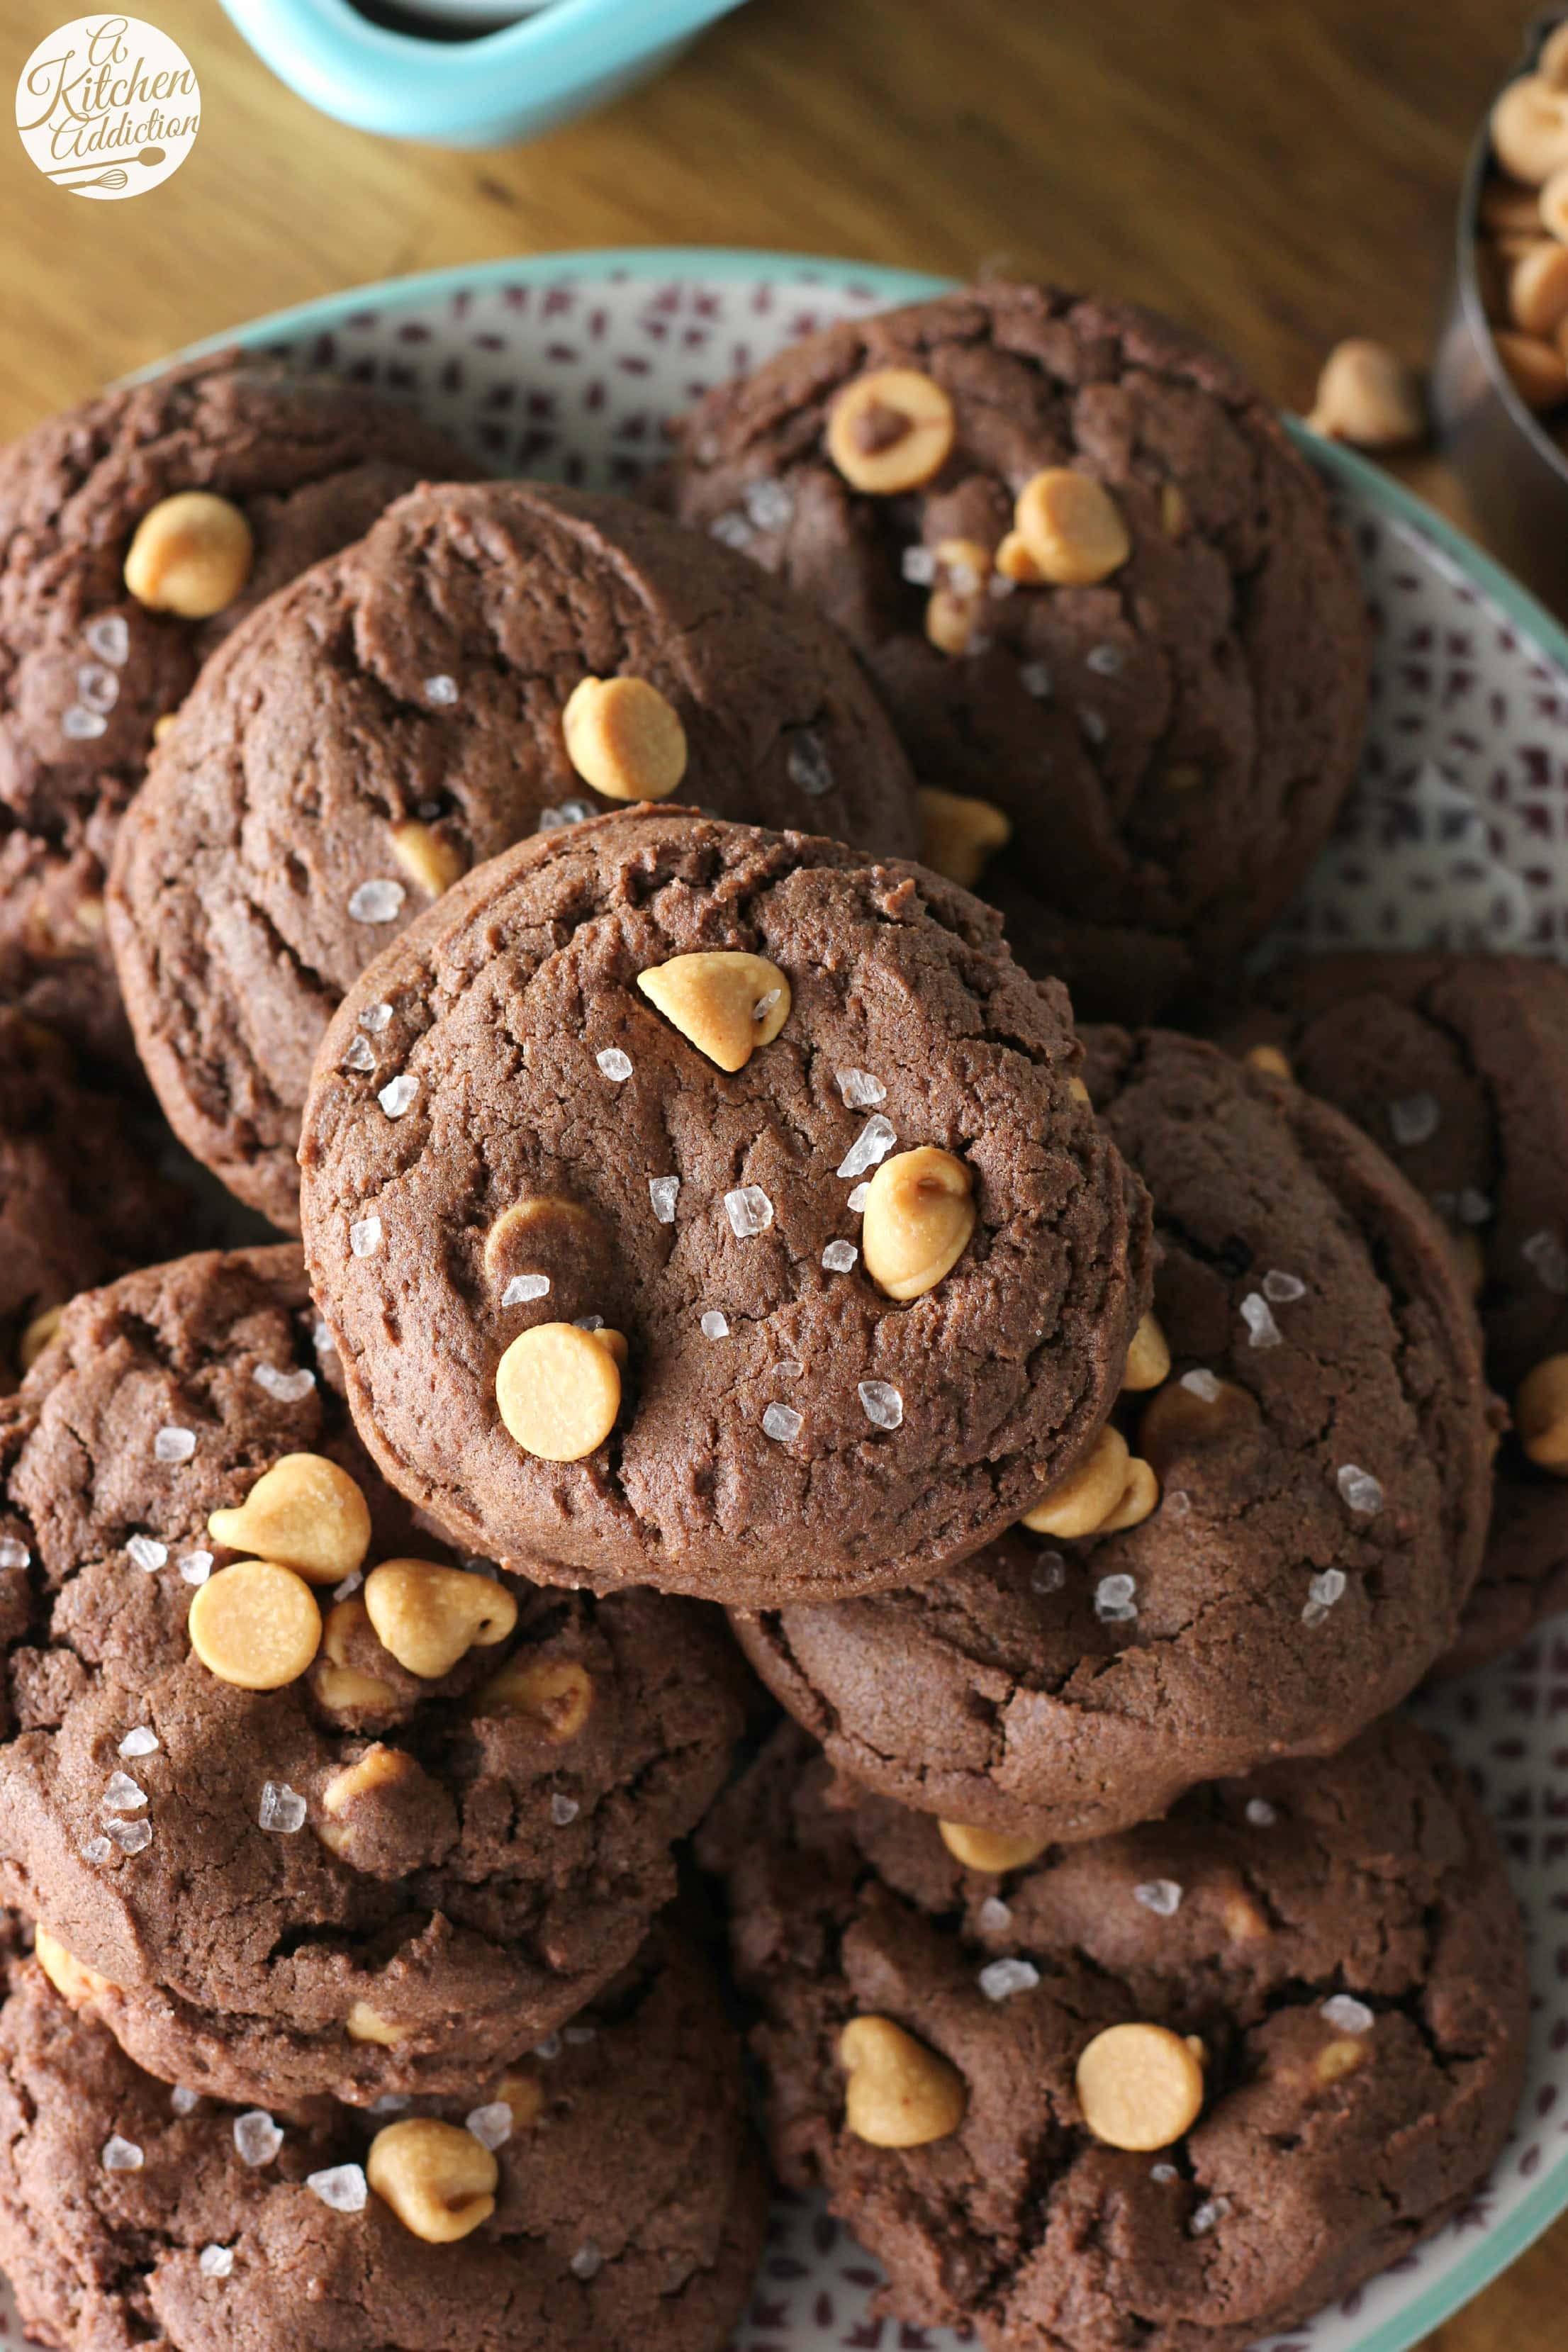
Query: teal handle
[[508, 85]]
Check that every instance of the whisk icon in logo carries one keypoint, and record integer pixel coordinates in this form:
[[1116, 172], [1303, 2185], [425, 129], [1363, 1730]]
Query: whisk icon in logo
[[107, 107]]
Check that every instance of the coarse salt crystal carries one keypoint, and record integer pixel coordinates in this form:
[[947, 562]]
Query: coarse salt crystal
[[870, 1147], [1361, 1490], [808, 765], [349, 1586], [840, 1257], [282, 1808], [1161, 1895], [881, 1403], [715, 1325], [360, 1058], [390, 2103], [1114, 1602], [781, 1420], [97, 1850], [663, 1191], [1049, 1572], [859, 1090], [288, 1388], [131, 1837], [995, 1916], [1322, 1591], [1262, 1331], [563, 1810], [1177, 1504], [195, 1567], [174, 1444], [1035, 679], [1284, 1289], [1000, 1979], [96, 686], [731, 529], [377, 902], [1213, 2209], [917, 565], [769, 504], [215, 2262], [1201, 1384], [12, 1553], [1473, 1208], [83, 724], [524, 1288], [549, 2048], [256, 2139], [141, 1741], [1261, 1813], [615, 1065], [364, 1236], [1347, 2014], [1163, 2173], [490, 2124], [146, 1553], [109, 637], [183, 2100], [122, 2155], [342, 2187], [1544, 1255], [397, 1096], [1105, 661], [588, 1322], [122, 1794], [856, 1200], [1413, 1118], [441, 689], [749, 1210], [376, 1017], [588, 2262]]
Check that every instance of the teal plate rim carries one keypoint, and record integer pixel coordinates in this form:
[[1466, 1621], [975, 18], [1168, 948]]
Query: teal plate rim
[[1549, 2198]]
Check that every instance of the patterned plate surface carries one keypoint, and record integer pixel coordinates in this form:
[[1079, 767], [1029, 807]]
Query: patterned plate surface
[[566, 367]]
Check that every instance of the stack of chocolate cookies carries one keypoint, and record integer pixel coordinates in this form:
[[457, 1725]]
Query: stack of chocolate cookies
[[641, 984]]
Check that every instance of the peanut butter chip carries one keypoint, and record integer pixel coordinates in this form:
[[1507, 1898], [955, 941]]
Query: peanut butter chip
[[364, 2023], [1541, 1415], [724, 1002], [191, 555], [1139, 1499], [429, 1617], [36, 1337], [431, 863], [306, 1513], [917, 1220], [1140, 2086], [1072, 527], [990, 1850], [255, 1625], [557, 1391], [624, 739], [1087, 1495], [899, 2093], [71, 1979], [1270, 1060], [959, 834], [1149, 1357], [556, 1692], [890, 431], [438, 2180]]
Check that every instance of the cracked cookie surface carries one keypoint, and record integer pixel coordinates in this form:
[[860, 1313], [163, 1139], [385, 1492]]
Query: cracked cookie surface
[[418, 684], [1456, 1065], [86, 672], [481, 1896], [1171, 742], [630, 2207], [783, 1427], [1320, 1519], [1340, 1936]]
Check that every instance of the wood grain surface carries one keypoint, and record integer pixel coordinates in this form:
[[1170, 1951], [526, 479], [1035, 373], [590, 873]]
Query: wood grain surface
[[1275, 173]]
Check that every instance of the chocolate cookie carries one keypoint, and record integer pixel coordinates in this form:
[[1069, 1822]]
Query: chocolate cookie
[[1311, 1518], [1180, 2087], [81, 1197], [1457, 1066], [90, 664], [1097, 586], [407, 712], [606, 2193], [421, 1837], [800, 1132]]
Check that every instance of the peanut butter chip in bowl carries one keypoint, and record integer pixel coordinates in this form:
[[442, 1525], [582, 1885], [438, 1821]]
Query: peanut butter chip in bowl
[[1140, 2086]]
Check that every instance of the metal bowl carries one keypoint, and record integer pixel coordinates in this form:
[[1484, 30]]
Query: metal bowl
[[1514, 473]]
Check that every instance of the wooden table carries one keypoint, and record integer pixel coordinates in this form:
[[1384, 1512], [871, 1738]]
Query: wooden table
[[1277, 176]]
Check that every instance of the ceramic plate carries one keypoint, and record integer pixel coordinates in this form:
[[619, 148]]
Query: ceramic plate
[[567, 367]]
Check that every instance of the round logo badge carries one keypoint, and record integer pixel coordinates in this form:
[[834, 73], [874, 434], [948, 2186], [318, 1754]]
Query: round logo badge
[[108, 106]]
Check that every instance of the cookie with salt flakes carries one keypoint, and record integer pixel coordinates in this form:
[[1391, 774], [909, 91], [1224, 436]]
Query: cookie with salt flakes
[[722, 1213]]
